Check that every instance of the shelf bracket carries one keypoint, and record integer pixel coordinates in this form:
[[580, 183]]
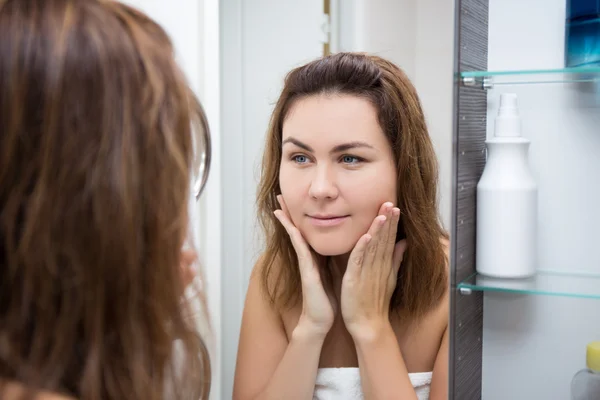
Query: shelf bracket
[[485, 83], [464, 291]]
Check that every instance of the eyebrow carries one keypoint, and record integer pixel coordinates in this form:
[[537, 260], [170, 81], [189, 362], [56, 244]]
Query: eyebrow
[[337, 149]]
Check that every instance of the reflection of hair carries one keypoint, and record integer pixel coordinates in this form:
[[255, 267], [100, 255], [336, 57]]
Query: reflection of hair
[[96, 153], [422, 279]]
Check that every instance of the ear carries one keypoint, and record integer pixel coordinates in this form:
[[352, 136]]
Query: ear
[[398, 256]]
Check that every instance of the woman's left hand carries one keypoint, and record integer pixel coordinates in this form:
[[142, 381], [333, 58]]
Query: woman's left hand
[[371, 275], [186, 267]]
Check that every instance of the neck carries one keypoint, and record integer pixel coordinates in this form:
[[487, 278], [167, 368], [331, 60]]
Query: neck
[[337, 267], [339, 263]]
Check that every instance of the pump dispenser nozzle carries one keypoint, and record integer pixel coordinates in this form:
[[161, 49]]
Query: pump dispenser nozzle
[[508, 121]]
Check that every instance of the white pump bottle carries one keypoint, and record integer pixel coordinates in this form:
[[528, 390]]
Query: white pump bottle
[[507, 201]]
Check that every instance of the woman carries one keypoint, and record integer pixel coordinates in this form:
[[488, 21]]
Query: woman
[[97, 153], [350, 296]]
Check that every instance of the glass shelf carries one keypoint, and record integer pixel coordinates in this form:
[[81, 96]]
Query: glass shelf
[[580, 285], [520, 77]]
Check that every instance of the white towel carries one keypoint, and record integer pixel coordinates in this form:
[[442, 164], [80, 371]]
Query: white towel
[[344, 384]]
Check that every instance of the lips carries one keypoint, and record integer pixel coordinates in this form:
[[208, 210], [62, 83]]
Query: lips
[[327, 220], [326, 216]]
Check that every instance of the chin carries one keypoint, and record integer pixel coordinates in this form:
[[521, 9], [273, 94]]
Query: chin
[[330, 247]]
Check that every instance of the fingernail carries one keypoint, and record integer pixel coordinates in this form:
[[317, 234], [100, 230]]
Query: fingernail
[[396, 212], [382, 218], [368, 238], [389, 204]]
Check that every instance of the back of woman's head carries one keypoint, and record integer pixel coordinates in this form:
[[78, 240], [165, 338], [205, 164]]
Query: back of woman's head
[[96, 152], [422, 279]]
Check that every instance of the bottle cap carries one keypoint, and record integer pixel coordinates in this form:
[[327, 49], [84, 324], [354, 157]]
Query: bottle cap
[[593, 356], [508, 121]]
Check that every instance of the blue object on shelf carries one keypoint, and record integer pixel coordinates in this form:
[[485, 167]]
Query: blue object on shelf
[[582, 33]]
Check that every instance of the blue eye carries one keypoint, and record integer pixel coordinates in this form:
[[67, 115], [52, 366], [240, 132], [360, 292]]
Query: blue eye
[[350, 160], [300, 159]]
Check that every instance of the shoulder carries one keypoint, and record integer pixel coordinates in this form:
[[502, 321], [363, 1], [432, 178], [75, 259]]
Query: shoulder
[[265, 273], [267, 283], [260, 281], [262, 340], [260, 312], [279, 280], [264, 284]]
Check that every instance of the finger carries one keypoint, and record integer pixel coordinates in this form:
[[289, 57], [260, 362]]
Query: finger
[[283, 206], [391, 236], [293, 232], [302, 250], [188, 257], [399, 250], [382, 241], [186, 266], [298, 236], [357, 256], [309, 275], [371, 250], [384, 207]]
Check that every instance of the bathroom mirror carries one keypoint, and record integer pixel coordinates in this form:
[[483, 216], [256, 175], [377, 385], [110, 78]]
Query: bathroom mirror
[[259, 43]]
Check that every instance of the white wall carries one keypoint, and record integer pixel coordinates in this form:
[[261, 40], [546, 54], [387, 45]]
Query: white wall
[[434, 63], [418, 36], [194, 29], [261, 41], [533, 345], [387, 28]]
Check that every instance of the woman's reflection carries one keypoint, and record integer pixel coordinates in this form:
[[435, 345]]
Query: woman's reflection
[[351, 293]]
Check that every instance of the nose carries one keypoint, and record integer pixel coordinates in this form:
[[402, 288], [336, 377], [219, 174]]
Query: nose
[[323, 185]]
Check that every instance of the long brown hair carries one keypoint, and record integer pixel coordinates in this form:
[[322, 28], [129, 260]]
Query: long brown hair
[[96, 151], [422, 280]]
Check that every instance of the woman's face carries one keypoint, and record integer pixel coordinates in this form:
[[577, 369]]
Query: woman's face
[[337, 169]]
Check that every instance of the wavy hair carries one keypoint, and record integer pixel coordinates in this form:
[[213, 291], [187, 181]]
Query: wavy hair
[[422, 280], [97, 147]]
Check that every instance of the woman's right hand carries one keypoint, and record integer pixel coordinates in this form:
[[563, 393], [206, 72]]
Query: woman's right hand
[[318, 309]]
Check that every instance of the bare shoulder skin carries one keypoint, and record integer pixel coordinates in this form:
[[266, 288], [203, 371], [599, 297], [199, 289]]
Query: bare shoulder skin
[[262, 343]]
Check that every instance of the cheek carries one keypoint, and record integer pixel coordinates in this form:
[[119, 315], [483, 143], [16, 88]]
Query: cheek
[[292, 189], [370, 191], [368, 195]]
